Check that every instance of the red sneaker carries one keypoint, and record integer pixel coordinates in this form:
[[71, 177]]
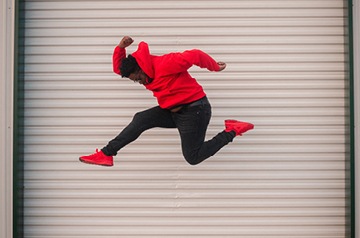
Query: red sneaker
[[98, 158], [238, 126]]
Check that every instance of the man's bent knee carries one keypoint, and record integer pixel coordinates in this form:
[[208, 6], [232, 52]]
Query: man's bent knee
[[193, 160]]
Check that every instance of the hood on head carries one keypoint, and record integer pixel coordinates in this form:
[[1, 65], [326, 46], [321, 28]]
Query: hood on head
[[143, 58]]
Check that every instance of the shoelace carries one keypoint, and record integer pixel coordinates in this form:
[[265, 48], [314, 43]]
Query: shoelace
[[96, 151]]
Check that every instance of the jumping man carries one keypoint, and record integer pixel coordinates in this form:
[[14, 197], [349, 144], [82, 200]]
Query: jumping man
[[182, 102]]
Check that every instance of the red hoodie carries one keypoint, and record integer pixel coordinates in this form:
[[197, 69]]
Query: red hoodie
[[172, 84]]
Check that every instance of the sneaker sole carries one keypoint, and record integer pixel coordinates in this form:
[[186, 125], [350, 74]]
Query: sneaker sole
[[88, 162]]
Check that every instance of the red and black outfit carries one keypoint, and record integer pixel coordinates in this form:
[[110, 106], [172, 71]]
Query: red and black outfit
[[173, 86]]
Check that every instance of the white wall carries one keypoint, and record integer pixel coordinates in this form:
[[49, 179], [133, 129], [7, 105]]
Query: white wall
[[6, 126], [286, 74]]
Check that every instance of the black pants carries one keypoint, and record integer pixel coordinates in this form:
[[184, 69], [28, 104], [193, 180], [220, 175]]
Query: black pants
[[192, 123]]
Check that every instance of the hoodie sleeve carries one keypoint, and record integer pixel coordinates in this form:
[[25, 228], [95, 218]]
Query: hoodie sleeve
[[118, 55], [178, 62]]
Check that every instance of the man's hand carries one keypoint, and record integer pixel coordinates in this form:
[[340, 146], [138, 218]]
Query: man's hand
[[222, 66], [125, 42]]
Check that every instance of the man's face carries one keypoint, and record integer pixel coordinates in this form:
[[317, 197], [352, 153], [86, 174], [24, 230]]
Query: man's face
[[139, 77]]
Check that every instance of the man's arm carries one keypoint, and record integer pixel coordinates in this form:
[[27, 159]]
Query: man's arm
[[120, 53], [179, 62], [203, 60]]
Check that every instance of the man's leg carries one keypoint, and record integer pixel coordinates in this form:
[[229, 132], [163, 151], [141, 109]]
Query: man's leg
[[153, 117], [142, 121], [192, 123]]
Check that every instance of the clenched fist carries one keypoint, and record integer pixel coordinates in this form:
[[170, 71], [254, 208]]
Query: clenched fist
[[222, 65], [125, 42]]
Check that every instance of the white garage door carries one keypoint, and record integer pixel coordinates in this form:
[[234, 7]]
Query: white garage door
[[286, 74]]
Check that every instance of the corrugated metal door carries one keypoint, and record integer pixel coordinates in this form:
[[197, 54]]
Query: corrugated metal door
[[286, 74]]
